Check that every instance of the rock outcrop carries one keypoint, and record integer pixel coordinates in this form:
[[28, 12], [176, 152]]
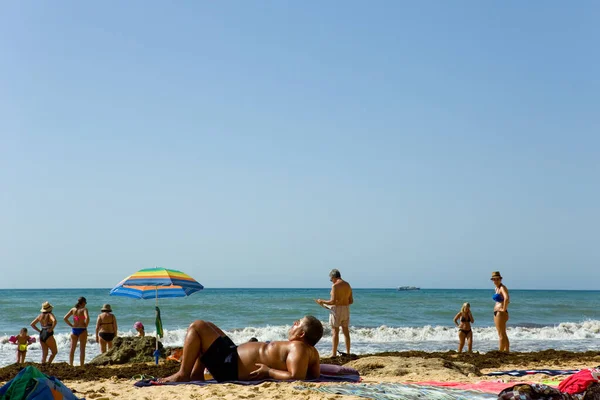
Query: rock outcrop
[[130, 350]]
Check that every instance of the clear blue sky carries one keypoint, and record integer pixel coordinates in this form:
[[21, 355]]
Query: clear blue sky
[[260, 144]]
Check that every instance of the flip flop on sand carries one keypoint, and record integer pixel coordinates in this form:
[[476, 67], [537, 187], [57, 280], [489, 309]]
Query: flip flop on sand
[[141, 377]]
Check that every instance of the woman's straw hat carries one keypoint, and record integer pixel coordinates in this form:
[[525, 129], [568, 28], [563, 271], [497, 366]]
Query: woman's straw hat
[[106, 308], [496, 274], [46, 307]]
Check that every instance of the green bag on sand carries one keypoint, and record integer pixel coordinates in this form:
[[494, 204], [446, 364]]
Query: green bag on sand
[[30, 384], [16, 388]]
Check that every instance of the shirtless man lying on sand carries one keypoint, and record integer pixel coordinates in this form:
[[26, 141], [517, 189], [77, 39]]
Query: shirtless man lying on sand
[[207, 346]]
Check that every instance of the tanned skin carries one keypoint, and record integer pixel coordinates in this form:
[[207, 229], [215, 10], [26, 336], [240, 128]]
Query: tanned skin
[[284, 360]]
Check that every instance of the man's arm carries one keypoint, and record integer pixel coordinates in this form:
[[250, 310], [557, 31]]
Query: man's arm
[[351, 300], [296, 364], [333, 300], [314, 365]]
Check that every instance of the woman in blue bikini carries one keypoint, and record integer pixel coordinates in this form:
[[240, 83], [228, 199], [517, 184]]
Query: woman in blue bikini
[[502, 299], [81, 319]]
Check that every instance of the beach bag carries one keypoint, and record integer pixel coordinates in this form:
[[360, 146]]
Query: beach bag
[[534, 391], [579, 382], [31, 384]]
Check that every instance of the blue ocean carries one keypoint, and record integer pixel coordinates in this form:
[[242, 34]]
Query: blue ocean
[[381, 319]]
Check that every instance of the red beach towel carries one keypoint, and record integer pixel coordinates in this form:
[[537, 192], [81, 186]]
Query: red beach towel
[[580, 381]]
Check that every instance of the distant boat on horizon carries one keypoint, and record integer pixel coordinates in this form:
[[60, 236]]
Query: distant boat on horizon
[[408, 288]]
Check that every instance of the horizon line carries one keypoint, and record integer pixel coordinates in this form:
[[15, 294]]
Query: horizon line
[[305, 288]]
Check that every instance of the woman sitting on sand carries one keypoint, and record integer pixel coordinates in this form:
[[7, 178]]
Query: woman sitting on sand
[[81, 319], [463, 320], [106, 328], [502, 299]]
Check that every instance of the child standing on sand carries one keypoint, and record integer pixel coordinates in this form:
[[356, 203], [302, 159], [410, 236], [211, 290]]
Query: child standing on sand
[[463, 321], [22, 340]]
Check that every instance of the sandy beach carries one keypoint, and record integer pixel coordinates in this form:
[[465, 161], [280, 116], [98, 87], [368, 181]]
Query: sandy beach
[[114, 382]]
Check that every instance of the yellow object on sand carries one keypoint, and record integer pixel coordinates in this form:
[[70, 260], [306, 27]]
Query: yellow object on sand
[[551, 382]]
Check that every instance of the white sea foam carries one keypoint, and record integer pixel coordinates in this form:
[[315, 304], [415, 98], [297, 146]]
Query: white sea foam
[[565, 331], [564, 336], [63, 343]]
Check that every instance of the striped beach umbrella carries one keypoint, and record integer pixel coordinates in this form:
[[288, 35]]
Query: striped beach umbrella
[[157, 283]]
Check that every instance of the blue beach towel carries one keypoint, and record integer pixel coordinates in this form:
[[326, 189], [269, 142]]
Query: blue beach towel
[[329, 373], [398, 391], [322, 378], [524, 372]]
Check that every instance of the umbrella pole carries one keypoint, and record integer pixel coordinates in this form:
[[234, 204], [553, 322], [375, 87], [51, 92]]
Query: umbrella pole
[[156, 287], [156, 354]]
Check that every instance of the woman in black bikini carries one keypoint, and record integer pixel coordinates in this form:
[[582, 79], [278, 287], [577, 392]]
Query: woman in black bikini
[[502, 299], [106, 328], [47, 321], [463, 320]]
